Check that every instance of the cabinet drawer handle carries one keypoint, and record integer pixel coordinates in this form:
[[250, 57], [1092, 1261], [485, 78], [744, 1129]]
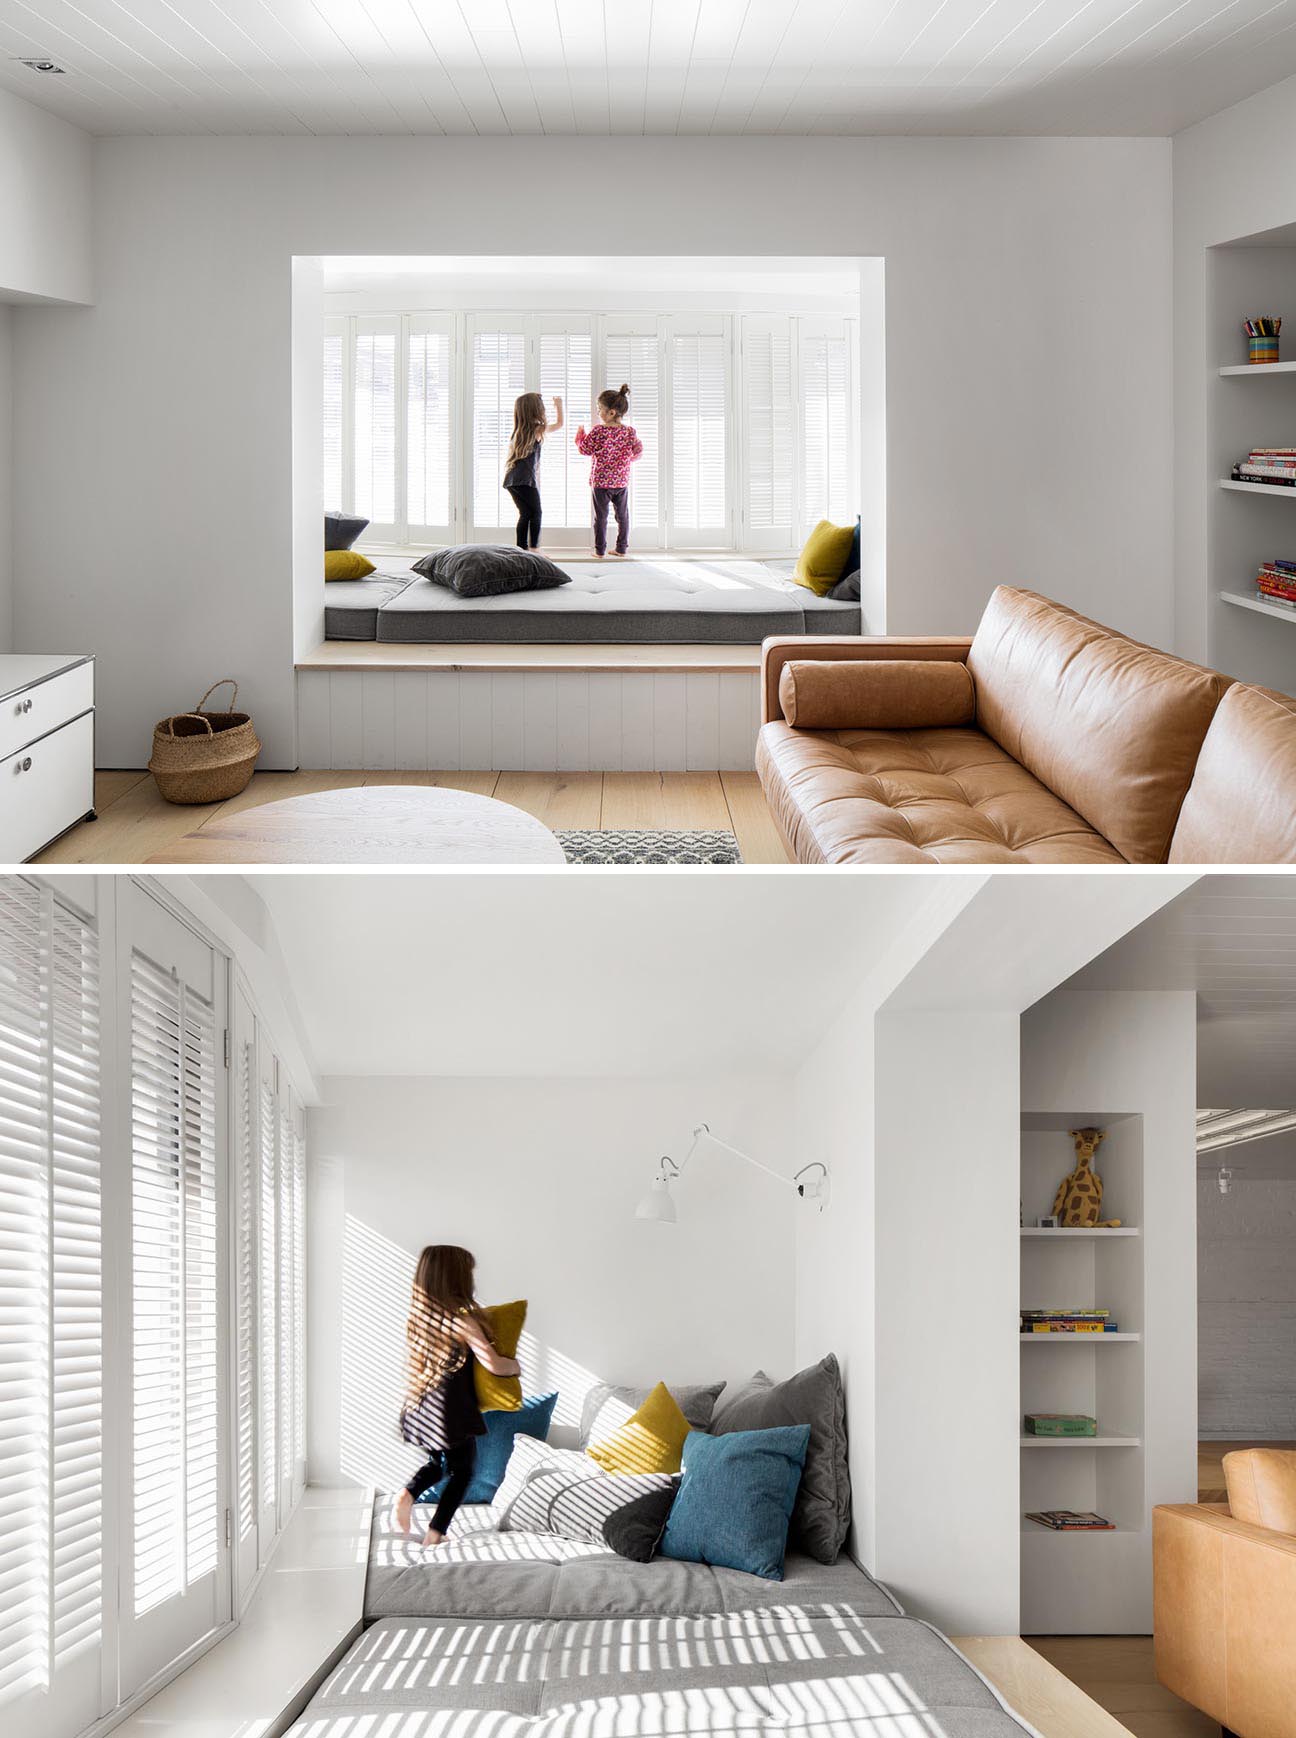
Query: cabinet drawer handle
[[24, 765], [25, 705]]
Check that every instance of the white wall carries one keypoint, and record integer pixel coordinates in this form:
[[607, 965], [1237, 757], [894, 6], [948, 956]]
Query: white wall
[[45, 172], [1022, 397], [6, 479], [540, 1180], [1246, 1293], [1219, 198]]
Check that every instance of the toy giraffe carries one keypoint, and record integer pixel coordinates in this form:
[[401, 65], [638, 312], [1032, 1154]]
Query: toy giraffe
[[1079, 1198]]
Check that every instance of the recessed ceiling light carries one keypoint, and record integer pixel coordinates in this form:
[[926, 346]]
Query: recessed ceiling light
[[40, 64]]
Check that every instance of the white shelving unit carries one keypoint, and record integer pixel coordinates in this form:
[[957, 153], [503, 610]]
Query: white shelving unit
[[1099, 1375], [1243, 530]]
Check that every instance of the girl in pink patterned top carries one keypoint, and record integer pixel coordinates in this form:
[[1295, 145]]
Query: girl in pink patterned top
[[613, 447]]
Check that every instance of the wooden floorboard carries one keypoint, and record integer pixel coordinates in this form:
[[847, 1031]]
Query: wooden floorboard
[[110, 785], [1117, 1672], [639, 800], [750, 819], [1055, 1705], [559, 799]]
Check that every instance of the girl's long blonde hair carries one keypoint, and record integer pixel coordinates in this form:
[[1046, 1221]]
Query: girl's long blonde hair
[[442, 1290], [529, 424]]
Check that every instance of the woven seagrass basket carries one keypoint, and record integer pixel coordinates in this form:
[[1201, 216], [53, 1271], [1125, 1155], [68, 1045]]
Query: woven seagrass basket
[[204, 757]]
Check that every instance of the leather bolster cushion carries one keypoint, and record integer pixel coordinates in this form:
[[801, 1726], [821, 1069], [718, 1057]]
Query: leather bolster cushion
[[898, 694]]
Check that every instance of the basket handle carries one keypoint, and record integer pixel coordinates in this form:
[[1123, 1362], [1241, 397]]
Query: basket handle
[[233, 705], [170, 723]]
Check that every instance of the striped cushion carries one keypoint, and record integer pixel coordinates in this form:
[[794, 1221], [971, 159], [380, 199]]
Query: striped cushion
[[568, 1494]]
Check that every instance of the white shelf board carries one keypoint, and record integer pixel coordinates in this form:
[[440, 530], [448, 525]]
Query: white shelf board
[[1082, 1442], [1081, 1339], [1286, 489], [1080, 1231], [1262, 606], [1260, 368]]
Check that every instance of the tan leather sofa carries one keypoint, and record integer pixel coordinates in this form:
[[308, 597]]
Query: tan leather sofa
[[1046, 738], [1224, 1597]]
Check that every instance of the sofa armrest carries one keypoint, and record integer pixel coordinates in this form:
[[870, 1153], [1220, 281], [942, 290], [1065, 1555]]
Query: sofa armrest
[[1224, 1598], [804, 647]]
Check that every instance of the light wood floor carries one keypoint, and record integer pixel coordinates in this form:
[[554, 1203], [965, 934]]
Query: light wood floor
[[135, 824], [1116, 1672]]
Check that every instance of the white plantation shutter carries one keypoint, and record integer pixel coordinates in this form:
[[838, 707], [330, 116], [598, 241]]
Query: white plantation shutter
[[174, 1250], [299, 1308], [334, 419], [267, 1260], [699, 432], [375, 355], [826, 427], [498, 373], [769, 429], [246, 1324], [287, 1313], [51, 1372], [428, 421], [566, 369], [634, 358]]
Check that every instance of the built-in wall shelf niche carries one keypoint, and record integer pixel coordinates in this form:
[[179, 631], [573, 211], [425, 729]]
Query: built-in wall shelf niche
[[1244, 633], [1100, 1375]]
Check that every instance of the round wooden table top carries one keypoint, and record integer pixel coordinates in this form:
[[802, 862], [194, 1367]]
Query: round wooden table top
[[372, 824]]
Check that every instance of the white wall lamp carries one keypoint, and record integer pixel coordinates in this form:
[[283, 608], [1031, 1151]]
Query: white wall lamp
[[659, 1203]]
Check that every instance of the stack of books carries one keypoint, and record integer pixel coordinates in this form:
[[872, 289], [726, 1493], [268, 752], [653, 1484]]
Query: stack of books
[[1060, 1424], [1276, 582], [1080, 1321], [1072, 1521], [1267, 465]]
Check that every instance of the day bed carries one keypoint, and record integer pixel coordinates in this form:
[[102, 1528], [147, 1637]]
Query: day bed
[[1224, 1597], [1045, 738], [653, 601], [523, 1635]]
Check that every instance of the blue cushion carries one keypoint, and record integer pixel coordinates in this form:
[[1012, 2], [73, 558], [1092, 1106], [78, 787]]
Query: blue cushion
[[493, 1449], [735, 1499], [853, 559]]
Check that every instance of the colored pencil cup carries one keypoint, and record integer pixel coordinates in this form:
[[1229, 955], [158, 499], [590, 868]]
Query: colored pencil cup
[[1263, 347]]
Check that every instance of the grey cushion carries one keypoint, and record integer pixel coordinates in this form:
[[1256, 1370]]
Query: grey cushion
[[572, 1501], [635, 1529], [696, 1402], [476, 570], [847, 588], [821, 1517], [340, 532]]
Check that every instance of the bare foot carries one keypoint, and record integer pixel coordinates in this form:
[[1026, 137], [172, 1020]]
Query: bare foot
[[404, 1511], [432, 1538]]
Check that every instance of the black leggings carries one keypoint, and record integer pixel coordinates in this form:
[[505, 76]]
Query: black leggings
[[456, 1464], [526, 499]]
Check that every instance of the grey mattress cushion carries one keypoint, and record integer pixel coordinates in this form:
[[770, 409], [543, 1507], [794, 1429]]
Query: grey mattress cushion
[[606, 1408], [822, 1514], [642, 601], [351, 606], [477, 570]]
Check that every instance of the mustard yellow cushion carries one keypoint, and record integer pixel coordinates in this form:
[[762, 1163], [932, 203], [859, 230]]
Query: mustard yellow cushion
[[651, 1441], [345, 564], [823, 560], [501, 1393]]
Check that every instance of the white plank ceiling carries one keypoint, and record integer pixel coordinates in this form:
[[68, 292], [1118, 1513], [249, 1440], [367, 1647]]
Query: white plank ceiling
[[645, 66], [1232, 938]]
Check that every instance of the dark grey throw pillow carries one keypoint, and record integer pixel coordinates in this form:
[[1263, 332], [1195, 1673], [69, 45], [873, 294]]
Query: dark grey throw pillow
[[696, 1403], [635, 1529], [490, 570], [341, 532], [821, 1517], [846, 589]]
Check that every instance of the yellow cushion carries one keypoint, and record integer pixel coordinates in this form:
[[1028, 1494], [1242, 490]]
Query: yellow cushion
[[501, 1393], [345, 564], [651, 1441], [823, 560]]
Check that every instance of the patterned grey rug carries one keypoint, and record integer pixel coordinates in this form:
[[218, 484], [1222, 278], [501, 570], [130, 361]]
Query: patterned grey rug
[[658, 845]]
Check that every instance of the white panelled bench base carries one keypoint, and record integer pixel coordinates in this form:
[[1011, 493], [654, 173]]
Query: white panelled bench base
[[542, 709]]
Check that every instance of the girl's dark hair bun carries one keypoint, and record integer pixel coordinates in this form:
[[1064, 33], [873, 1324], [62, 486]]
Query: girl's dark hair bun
[[625, 392]]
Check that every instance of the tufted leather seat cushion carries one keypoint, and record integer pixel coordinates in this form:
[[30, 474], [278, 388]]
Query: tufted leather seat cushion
[[917, 796]]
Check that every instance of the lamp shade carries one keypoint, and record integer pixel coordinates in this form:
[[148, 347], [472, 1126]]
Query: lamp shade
[[657, 1203]]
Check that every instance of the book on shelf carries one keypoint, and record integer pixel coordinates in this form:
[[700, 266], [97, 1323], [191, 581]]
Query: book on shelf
[[1069, 1328], [1081, 1313], [1071, 1521], [1060, 1424]]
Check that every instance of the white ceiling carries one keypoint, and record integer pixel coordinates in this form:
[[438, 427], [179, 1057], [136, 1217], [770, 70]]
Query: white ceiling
[[1232, 938], [576, 975], [645, 66]]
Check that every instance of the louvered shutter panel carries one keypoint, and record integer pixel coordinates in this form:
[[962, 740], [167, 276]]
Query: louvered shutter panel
[[299, 1311], [498, 372], [286, 1266], [826, 428], [51, 1371], [375, 355], [699, 433], [769, 429], [334, 389], [566, 370], [174, 1295], [246, 1316], [428, 420], [635, 359], [267, 1234]]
